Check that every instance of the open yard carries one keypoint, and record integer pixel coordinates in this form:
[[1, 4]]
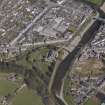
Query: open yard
[[92, 102], [24, 96], [90, 66], [27, 97], [67, 96], [69, 100], [98, 2], [7, 87], [35, 57]]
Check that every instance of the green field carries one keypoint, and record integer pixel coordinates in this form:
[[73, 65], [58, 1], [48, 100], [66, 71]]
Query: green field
[[91, 102], [7, 87], [69, 100], [35, 55], [97, 2], [27, 97]]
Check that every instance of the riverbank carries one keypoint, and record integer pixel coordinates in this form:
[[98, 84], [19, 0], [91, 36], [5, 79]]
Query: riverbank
[[69, 60]]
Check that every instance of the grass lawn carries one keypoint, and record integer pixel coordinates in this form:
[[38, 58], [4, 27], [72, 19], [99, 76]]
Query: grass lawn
[[27, 97], [24, 63], [91, 102], [90, 66], [7, 87], [98, 2], [3, 75], [69, 100], [35, 55]]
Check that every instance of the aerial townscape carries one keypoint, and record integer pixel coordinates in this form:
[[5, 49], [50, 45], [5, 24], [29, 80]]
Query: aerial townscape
[[52, 52]]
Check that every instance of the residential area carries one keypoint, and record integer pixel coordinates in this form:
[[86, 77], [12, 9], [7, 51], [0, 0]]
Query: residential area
[[52, 52]]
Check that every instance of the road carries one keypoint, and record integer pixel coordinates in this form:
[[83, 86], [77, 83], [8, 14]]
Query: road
[[28, 45]]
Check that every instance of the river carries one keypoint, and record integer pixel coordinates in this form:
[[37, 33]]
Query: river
[[67, 63]]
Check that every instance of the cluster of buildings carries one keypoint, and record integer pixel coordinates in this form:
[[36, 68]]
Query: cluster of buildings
[[3, 100], [15, 15], [99, 41], [61, 21], [51, 55], [89, 86], [12, 77], [24, 21], [83, 88], [96, 48]]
